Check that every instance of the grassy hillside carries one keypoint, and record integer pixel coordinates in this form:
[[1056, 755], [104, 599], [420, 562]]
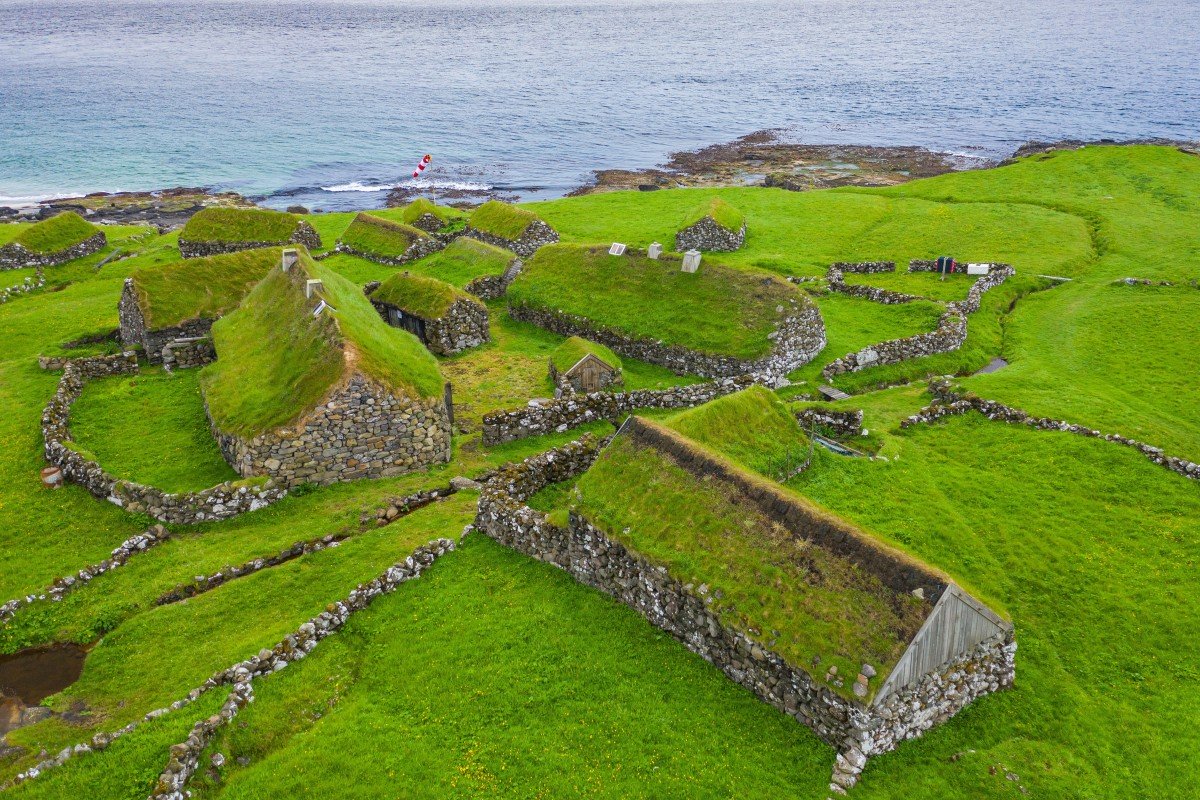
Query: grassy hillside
[[380, 237], [419, 295], [275, 360], [501, 219], [222, 224], [715, 310], [720, 211], [200, 287], [752, 427], [802, 600], [56, 233]]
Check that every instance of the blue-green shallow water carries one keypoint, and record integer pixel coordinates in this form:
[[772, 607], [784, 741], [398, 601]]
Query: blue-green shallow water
[[273, 96]]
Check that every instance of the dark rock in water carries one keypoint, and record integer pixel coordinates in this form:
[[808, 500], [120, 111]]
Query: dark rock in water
[[647, 187], [297, 210]]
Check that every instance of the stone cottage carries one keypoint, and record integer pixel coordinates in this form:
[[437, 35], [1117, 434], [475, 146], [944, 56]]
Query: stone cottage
[[385, 241], [579, 366], [336, 395], [916, 649], [510, 227], [446, 319], [61, 238], [427, 216], [223, 229], [713, 225], [179, 301]]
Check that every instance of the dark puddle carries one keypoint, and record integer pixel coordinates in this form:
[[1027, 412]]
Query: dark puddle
[[28, 677]]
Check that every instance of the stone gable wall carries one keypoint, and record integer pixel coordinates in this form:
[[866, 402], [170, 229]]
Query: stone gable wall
[[798, 338], [949, 335], [587, 554], [493, 287], [430, 223], [571, 411], [463, 326], [304, 234], [360, 431], [15, 256], [708, 235], [220, 502], [133, 331], [536, 235]]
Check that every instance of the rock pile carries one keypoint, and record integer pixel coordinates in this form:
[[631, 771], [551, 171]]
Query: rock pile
[[30, 284]]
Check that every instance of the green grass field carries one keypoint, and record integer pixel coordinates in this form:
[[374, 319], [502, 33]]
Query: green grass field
[[495, 675]]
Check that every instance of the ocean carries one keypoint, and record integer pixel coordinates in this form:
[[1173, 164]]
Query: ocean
[[329, 104]]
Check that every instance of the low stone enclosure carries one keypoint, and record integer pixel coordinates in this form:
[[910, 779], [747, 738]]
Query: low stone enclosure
[[571, 411], [796, 340], [834, 278], [947, 402], [949, 335], [220, 502], [961, 652], [445, 319], [394, 242]]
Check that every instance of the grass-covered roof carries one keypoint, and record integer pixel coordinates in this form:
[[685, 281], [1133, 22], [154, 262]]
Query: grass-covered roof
[[790, 594], [752, 427], [200, 287], [502, 219], [422, 296], [224, 224], [717, 310], [56, 233], [381, 237], [276, 361], [567, 354], [421, 206], [720, 211], [464, 260]]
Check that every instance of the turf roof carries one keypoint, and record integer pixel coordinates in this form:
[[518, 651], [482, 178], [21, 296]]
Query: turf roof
[[464, 260], [56, 233], [502, 219], [381, 237], [421, 206], [567, 354], [200, 287], [752, 427], [789, 594], [717, 310], [422, 296], [276, 361], [720, 211], [224, 224]]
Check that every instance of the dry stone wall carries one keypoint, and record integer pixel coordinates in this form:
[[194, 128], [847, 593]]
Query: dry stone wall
[[30, 284], [303, 234], [796, 340], [219, 502], [418, 249], [706, 234], [873, 293], [571, 411], [463, 326], [839, 423], [949, 335], [194, 351], [16, 256], [360, 431], [864, 267], [493, 287], [134, 333], [538, 234], [858, 731]]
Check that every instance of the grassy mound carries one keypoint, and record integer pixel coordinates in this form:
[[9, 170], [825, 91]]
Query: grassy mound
[[501, 219], [57, 233], [222, 224], [416, 294], [716, 310], [721, 212], [567, 354], [200, 287], [804, 601], [420, 207], [275, 360], [464, 260], [381, 237], [753, 427]]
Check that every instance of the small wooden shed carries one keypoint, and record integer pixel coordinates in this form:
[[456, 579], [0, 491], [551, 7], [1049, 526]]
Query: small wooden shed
[[581, 366]]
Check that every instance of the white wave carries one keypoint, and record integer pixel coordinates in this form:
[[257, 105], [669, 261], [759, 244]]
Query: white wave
[[359, 186], [26, 200]]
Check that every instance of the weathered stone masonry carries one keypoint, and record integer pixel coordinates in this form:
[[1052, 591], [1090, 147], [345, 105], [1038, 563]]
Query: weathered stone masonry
[[303, 234], [856, 730], [360, 431], [135, 334], [15, 256], [875, 294], [418, 249], [463, 326], [536, 235], [220, 502], [706, 234], [796, 340]]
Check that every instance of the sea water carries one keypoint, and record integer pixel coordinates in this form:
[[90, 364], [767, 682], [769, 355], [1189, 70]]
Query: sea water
[[329, 104]]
